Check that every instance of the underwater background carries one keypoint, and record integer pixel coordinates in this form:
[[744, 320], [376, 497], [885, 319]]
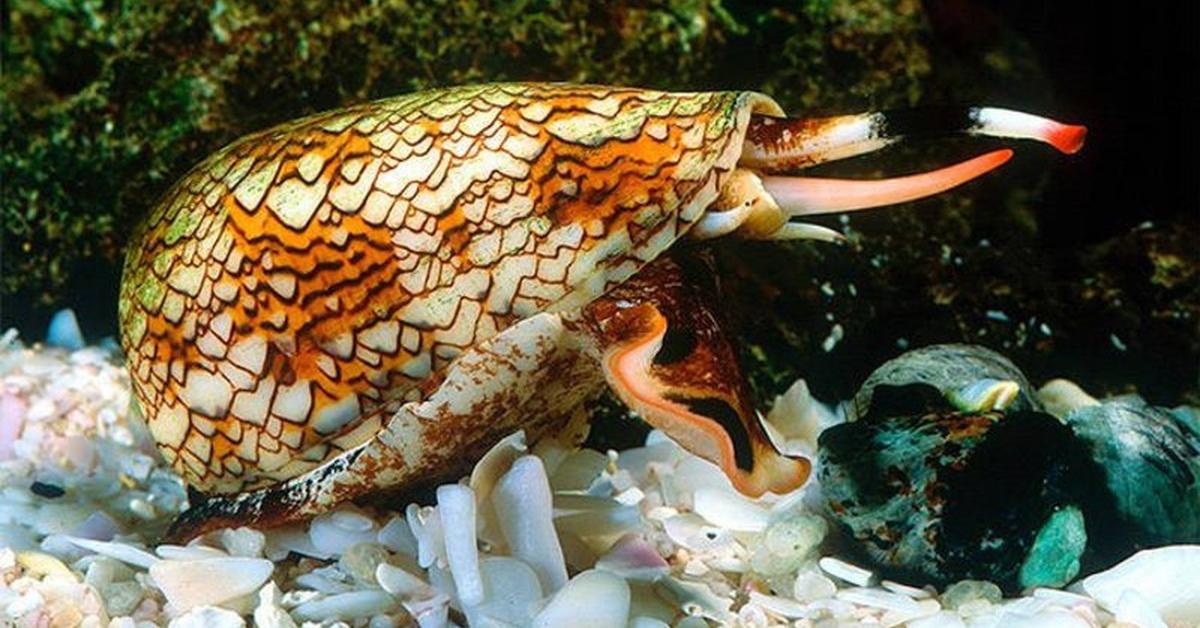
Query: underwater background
[[1086, 268]]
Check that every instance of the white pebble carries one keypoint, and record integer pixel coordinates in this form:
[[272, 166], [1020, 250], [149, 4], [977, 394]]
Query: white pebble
[[781, 606], [811, 586], [399, 582], [291, 538], [1168, 578], [844, 570], [245, 542], [333, 532], [593, 598], [511, 592], [456, 507], [729, 510], [941, 619], [188, 552], [876, 598], [397, 536], [430, 607], [208, 617], [692, 532], [121, 552], [209, 581], [268, 613], [1134, 609], [923, 608], [321, 584], [1064, 598], [104, 570], [345, 606], [524, 509], [905, 590], [430, 612], [426, 527]]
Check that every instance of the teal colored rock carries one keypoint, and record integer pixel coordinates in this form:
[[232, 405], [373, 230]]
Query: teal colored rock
[[950, 470], [64, 331], [1150, 458], [1054, 559], [949, 496]]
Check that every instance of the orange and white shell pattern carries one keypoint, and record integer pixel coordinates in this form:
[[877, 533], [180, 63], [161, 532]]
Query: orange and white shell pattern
[[300, 280]]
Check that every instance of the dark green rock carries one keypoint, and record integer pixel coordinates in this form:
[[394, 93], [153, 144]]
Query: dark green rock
[[1151, 461], [944, 497]]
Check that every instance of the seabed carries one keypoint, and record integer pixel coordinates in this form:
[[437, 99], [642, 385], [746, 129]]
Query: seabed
[[541, 534]]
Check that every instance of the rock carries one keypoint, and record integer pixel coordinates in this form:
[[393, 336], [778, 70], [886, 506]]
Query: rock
[[104, 570], [361, 560], [579, 470], [12, 417], [426, 527], [1150, 458], [188, 552], [98, 526], [729, 510], [692, 532], [64, 331], [244, 542], [396, 536], [119, 551], [917, 494], [268, 613], [1166, 578], [811, 585], [121, 598], [400, 582], [456, 507], [788, 543], [345, 606], [1053, 560], [291, 538], [965, 591], [208, 617], [210, 581], [525, 513], [16, 537], [592, 598], [943, 619], [333, 532], [511, 592], [632, 558], [845, 571], [39, 564], [696, 599], [777, 605]]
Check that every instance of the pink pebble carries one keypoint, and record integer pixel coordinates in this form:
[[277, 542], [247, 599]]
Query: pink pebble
[[12, 417]]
